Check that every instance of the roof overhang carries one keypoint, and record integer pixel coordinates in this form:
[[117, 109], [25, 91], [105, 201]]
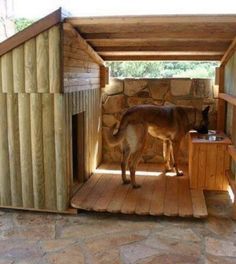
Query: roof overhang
[[169, 37], [166, 37]]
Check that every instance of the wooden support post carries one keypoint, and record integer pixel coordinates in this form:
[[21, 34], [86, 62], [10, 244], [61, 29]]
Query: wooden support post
[[221, 103], [102, 76], [107, 75]]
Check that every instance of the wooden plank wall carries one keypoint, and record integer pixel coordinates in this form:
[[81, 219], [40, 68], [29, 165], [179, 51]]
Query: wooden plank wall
[[32, 130], [82, 94], [230, 89]]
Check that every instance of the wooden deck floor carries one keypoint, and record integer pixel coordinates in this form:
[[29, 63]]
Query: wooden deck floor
[[159, 194]]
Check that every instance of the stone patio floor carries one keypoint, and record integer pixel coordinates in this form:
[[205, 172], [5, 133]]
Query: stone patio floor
[[27, 237]]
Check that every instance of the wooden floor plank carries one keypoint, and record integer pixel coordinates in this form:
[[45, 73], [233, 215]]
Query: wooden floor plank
[[118, 198], [199, 204], [145, 198], [97, 191], [184, 197], [102, 203], [158, 196], [83, 192], [171, 196], [154, 167], [129, 204]]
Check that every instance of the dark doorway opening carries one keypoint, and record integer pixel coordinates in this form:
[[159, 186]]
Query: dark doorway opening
[[78, 148]]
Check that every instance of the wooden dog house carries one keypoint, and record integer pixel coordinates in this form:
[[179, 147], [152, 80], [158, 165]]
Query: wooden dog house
[[50, 110]]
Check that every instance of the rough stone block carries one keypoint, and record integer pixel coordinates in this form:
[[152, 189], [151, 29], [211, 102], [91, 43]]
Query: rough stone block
[[202, 88], [133, 86], [143, 94], [218, 247], [181, 87], [113, 104], [115, 86], [131, 101], [158, 88]]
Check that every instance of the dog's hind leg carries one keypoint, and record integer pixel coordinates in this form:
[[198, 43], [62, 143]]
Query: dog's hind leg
[[167, 154], [134, 159], [174, 153], [136, 155], [125, 158]]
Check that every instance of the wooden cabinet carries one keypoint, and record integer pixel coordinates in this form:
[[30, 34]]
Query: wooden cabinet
[[208, 162]]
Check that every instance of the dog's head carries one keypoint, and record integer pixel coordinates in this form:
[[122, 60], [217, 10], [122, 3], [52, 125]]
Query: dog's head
[[202, 121]]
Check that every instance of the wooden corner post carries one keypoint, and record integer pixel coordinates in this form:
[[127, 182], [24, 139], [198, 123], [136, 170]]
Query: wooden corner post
[[104, 76], [221, 103]]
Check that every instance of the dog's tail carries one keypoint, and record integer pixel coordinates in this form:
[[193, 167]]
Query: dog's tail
[[115, 139]]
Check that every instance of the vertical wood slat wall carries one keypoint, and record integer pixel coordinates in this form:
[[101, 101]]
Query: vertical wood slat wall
[[82, 94], [230, 89], [32, 130]]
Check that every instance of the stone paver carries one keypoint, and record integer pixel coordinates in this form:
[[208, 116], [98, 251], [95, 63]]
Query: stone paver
[[101, 238]]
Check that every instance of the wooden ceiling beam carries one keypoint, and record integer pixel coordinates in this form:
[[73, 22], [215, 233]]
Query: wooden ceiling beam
[[159, 28], [222, 44], [153, 19], [119, 42], [174, 47], [193, 35], [164, 58], [160, 53]]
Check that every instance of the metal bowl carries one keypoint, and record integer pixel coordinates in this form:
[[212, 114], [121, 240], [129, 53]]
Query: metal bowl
[[211, 137]]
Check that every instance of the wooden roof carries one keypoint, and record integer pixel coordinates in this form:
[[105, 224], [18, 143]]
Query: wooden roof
[[172, 37], [166, 37], [32, 31]]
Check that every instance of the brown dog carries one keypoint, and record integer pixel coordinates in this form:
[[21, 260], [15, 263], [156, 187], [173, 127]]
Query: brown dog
[[168, 123]]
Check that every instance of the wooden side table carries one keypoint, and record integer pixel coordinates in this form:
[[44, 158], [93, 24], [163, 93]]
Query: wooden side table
[[208, 161]]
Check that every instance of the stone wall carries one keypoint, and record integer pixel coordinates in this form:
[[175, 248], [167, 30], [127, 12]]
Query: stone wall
[[121, 94]]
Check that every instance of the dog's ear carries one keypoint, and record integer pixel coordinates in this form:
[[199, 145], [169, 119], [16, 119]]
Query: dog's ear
[[206, 110]]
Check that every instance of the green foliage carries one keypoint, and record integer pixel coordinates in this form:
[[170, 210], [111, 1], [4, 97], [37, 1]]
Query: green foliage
[[22, 23], [162, 69]]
